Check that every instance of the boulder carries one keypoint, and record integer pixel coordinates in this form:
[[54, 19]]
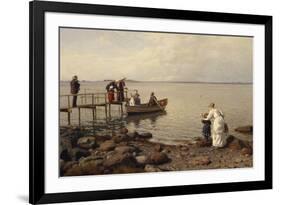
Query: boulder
[[124, 149], [101, 139], [77, 153], [132, 135], [87, 142], [121, 138], [245, 129], [158, 158], [107, 145], [91, 165], [118, 159], [65, 155], [68, 165], [65, 143]]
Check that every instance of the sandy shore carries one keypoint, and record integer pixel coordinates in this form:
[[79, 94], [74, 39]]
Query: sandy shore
[[125, 152]]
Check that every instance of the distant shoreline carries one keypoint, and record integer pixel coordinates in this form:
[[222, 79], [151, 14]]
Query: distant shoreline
[[186, 82]]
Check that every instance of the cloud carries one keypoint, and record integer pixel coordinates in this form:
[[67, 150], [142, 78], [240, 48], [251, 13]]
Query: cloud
[[102, 54]]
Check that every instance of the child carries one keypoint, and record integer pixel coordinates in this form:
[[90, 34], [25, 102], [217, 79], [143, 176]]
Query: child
[[206, 130]]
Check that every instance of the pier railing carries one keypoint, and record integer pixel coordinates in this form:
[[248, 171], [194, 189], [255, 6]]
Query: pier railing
[[83, 99], [91, 101]]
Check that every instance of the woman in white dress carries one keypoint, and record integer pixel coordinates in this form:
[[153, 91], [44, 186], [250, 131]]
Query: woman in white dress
[[219, 134]]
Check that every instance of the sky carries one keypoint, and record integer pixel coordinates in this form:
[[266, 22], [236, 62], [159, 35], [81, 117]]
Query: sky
[[97, 55]]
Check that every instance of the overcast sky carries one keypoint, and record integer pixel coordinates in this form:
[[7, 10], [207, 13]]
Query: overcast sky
[[145, 56]]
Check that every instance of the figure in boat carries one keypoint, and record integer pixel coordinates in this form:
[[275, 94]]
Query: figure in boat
[[152, 100], [153, 105]]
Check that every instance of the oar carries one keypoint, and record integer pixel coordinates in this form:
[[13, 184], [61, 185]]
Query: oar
[[159, 105]]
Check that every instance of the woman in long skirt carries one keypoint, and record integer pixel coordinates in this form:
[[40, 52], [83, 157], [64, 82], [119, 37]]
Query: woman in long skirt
[[219, 134]]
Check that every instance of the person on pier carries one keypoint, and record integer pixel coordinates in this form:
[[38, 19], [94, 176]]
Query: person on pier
[[120, 90], [75, 87], [110, 87]]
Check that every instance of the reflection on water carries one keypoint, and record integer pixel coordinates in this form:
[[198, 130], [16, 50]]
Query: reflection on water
[[182, 117], [137, 120]]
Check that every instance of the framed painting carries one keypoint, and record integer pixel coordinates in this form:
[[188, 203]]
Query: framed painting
[[141, 102]]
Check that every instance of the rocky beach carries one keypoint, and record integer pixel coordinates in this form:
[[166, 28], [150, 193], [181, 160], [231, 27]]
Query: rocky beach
[[134, 152]]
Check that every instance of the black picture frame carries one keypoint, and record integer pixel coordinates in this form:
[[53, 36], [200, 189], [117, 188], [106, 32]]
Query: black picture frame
[[37, 11]]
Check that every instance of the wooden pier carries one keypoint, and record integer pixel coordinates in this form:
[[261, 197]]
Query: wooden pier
[[89, 101]]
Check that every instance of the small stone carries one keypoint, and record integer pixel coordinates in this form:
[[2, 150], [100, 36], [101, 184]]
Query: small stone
[[246, 151], [142, 159], [245, 129], [158, 148], [201, 160], [184, 148], [238, 160], [151, 168], [123, 130], [144, 135]]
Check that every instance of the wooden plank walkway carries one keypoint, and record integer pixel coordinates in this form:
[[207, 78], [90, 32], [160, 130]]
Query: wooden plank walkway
[[95, 98]]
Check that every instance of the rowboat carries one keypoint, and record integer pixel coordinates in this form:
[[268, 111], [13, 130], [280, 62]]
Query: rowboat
[[145, 108]]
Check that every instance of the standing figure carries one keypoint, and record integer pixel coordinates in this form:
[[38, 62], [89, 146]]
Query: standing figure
[[110, 91], [206, 129], [75, 87], [120, 90], [219, 134]]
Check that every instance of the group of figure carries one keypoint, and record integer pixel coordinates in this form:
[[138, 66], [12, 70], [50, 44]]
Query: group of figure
[[117, 86], [135, 99], [214, 125], [215, 120]]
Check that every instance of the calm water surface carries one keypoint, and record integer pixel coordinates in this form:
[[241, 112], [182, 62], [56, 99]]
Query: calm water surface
[[182, 117]]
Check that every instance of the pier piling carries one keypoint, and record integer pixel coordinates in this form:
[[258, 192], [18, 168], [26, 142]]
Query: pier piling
[[95, 102]]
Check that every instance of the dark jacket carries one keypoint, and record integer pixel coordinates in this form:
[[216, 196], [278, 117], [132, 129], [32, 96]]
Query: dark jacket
[[152, 100], [75, 86], [206, 130], [121, 86]]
